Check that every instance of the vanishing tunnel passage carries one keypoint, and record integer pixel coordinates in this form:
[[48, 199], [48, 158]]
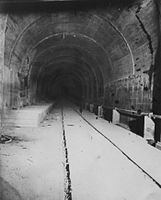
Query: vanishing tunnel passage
[[104, 57], [74, 53], [103, 54]]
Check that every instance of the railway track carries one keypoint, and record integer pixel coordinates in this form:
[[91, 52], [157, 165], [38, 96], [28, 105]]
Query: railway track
[[68, 157], [67, 178], [119, 149]]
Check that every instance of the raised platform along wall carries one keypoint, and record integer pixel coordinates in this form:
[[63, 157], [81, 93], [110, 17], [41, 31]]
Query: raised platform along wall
[[29, 116]]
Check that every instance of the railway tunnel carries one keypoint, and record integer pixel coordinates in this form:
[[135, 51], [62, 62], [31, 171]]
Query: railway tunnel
[[80, 100]]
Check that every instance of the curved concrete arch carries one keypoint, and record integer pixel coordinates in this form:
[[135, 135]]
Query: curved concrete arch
[[74, 35], [127, 43], [85, 35], [47, 89], [27, 28], [75, 75], [82, 65], [81, 59], [92, 77], [90, 82], [121, 40], [84, 53], [19, 37]]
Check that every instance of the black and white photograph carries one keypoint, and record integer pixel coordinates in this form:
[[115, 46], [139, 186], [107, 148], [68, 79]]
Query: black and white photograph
[[80, 99]]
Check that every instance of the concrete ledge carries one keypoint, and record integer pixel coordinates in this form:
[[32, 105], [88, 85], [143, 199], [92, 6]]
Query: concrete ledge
[[29, 116], [134, 146], [158, 145]]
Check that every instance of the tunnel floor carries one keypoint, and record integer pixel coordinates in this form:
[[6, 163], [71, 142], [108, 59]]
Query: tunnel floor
[[73, 156]]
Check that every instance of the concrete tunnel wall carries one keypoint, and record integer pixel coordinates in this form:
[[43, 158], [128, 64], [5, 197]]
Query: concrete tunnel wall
[[108, 52]]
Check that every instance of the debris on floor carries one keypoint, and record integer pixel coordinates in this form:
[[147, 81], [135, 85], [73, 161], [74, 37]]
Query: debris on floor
[[4, 139]]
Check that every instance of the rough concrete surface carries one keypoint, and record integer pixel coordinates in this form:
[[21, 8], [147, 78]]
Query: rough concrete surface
[[72, 161]]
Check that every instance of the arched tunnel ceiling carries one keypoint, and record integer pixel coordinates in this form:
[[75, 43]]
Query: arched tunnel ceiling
[[87, 78], [72, 82], [109, 52], [97, 46], [39, 38], [67, 54]]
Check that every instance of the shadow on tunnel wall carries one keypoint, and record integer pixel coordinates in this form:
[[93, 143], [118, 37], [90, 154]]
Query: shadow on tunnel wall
[[21, 6], [137, 126], [157, 92]]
